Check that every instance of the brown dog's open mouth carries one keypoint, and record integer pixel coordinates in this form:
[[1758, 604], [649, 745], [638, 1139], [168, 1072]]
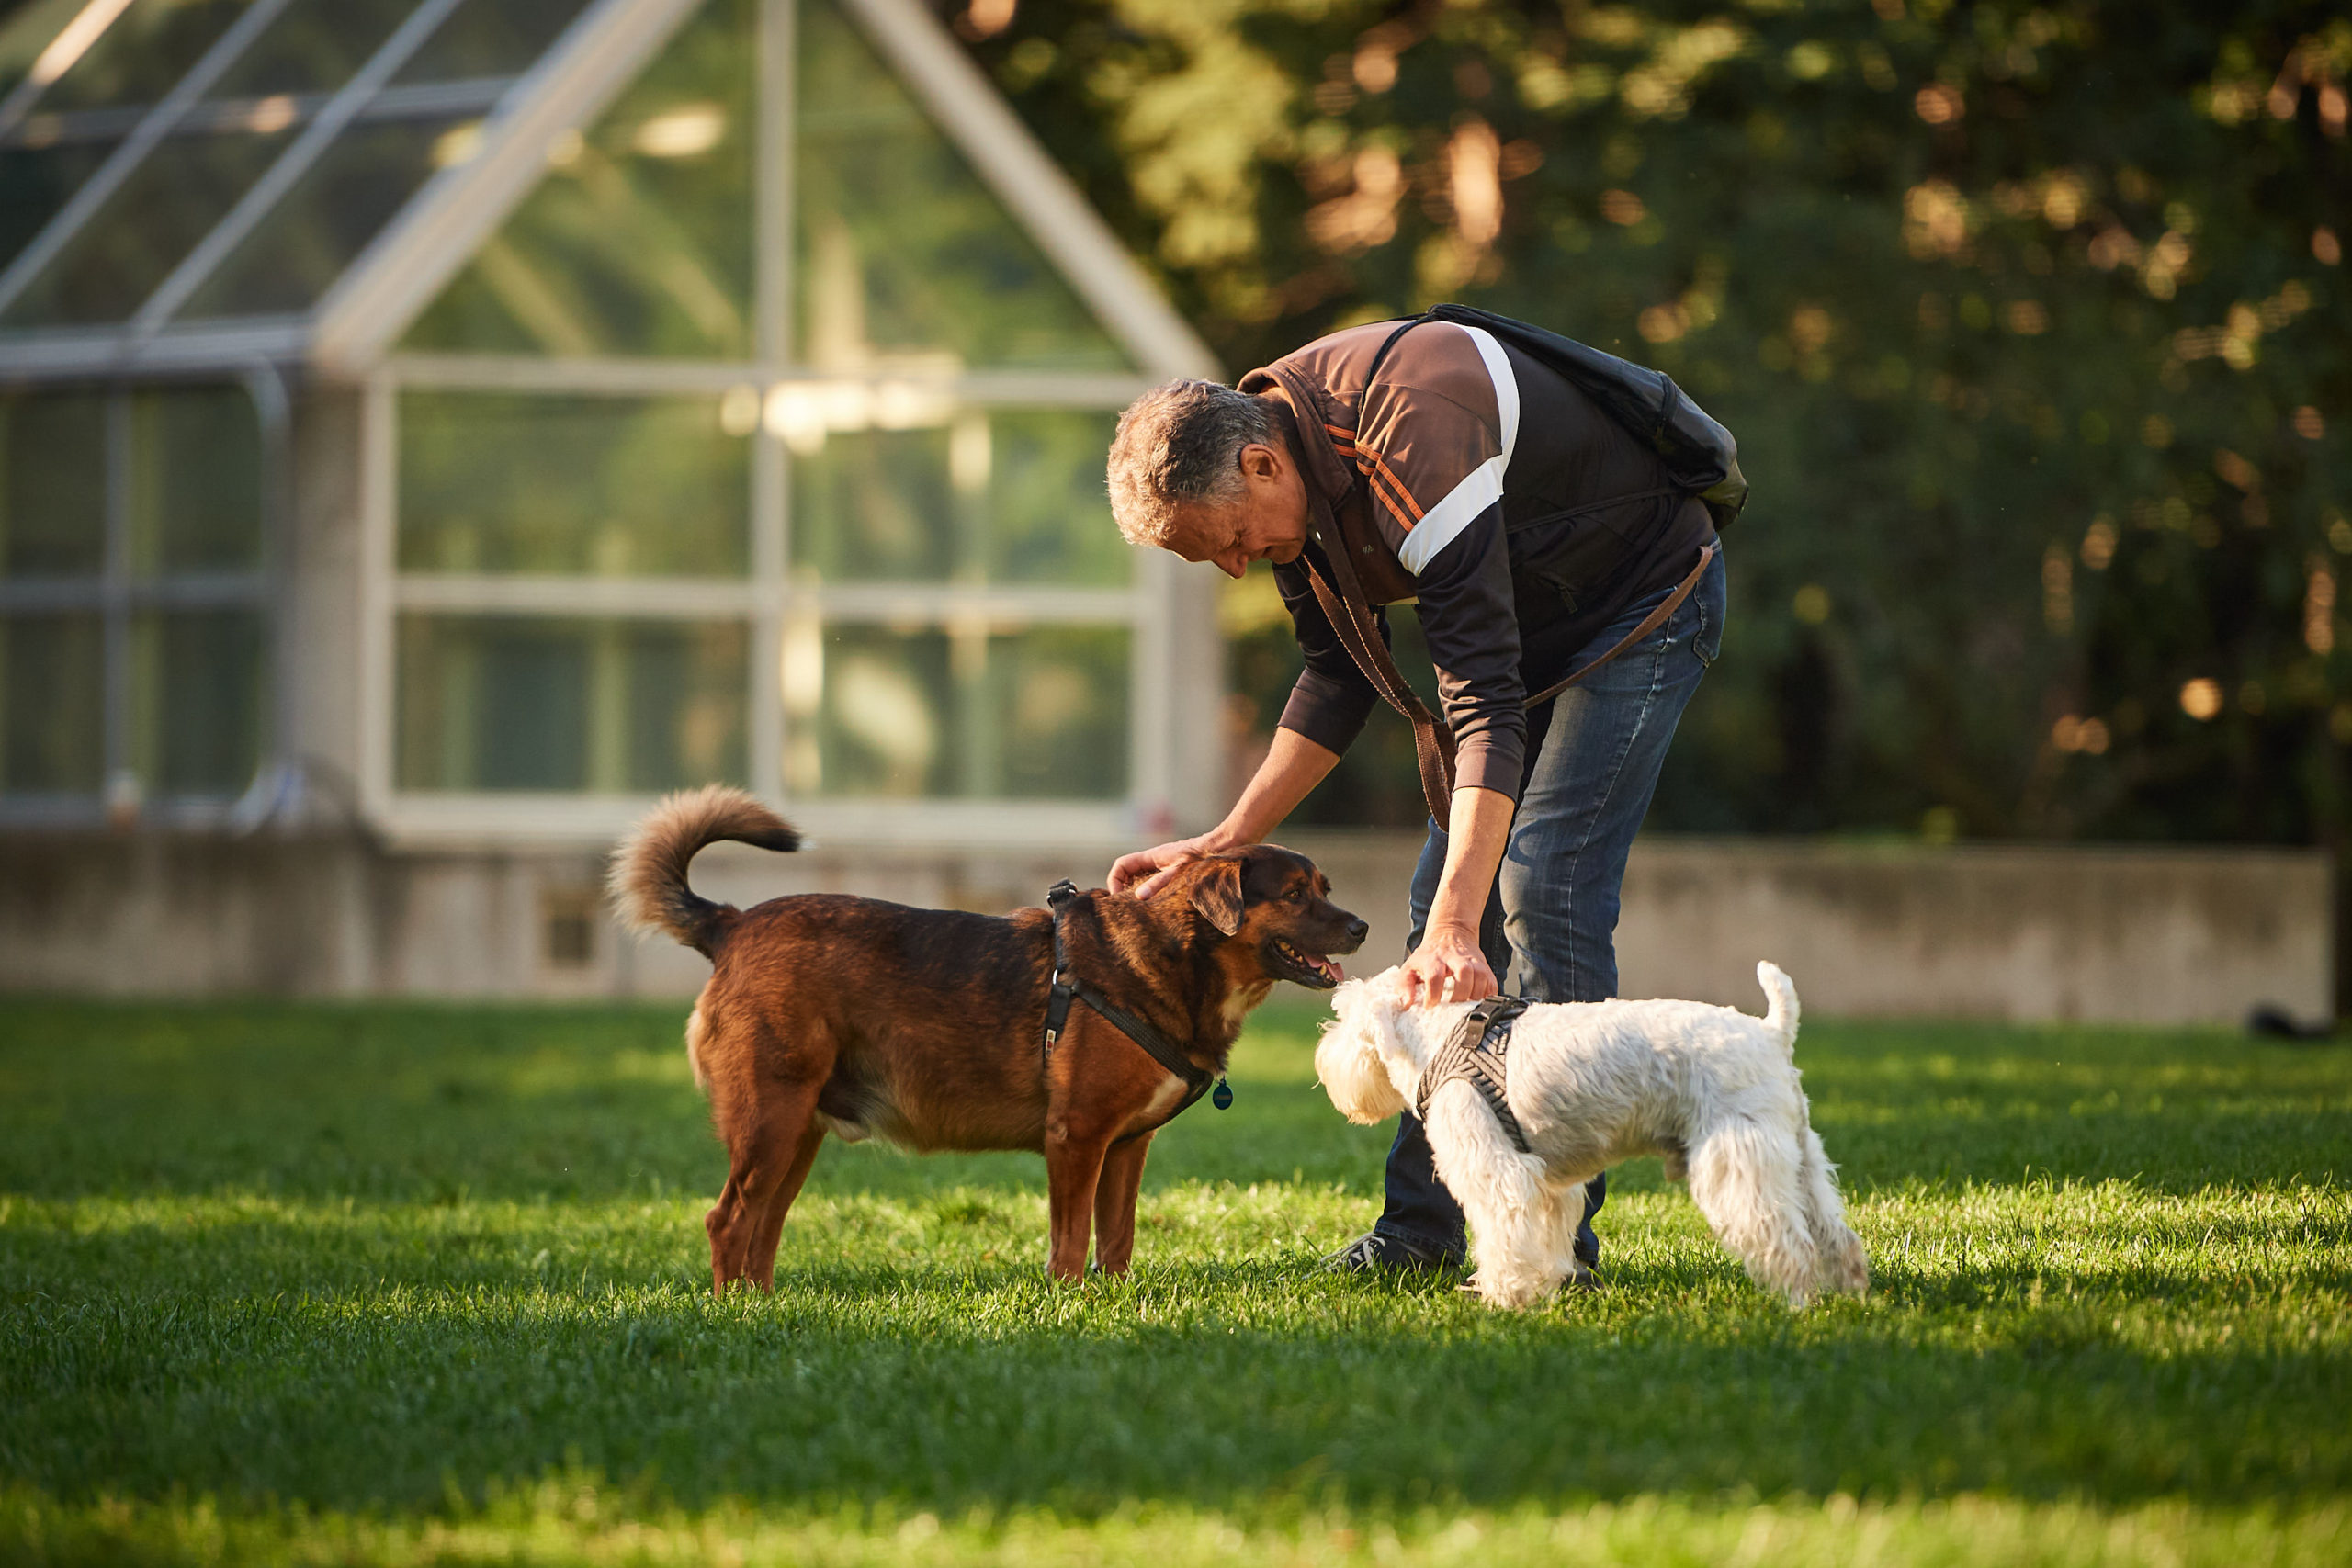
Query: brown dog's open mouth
[[1316, 974]]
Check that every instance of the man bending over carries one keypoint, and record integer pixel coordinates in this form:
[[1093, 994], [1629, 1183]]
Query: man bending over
[[1531, 534]]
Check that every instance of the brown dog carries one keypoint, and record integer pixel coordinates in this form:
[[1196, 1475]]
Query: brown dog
[[825, 1012]]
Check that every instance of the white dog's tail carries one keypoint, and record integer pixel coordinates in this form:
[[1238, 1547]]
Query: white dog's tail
[[1781, 994]]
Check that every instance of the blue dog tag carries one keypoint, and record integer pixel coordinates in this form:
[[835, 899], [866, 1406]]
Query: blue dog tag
[[1223, 1098]]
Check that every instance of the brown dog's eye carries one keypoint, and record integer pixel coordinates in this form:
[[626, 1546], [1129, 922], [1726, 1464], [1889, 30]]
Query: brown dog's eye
[[1296, 894]]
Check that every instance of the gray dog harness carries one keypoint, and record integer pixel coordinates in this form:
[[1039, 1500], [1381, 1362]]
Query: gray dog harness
[[1477, 1053]]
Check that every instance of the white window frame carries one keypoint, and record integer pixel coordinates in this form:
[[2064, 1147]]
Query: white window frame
[[1151, 608], [765, 599]]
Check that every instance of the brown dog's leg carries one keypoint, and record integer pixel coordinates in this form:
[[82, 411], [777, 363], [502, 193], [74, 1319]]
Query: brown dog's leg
[[1073, 1167], [770, 1159], [769, 1229], [1114, 1204]]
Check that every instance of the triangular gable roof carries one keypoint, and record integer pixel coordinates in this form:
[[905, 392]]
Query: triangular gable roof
[[437, 231]]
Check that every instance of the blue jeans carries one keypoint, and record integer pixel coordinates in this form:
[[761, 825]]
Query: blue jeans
[[1593, 755]]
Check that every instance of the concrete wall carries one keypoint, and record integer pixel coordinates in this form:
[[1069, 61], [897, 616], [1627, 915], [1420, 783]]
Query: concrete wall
[[1998, 933], [2108, 933]]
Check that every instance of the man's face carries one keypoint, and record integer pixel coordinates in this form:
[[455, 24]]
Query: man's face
[[1268, 522]]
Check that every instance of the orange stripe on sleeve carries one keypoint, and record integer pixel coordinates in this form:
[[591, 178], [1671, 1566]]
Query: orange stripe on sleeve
[[1392, 495], [1374, 468]]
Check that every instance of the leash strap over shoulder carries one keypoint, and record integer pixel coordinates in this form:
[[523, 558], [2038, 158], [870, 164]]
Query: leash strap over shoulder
[[1068, 987], [1479, 1052], [1349, 609]]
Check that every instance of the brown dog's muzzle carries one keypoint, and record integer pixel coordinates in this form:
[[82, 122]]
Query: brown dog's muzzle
[[1298, 926]]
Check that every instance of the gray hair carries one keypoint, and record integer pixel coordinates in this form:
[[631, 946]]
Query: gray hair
[[1180, 445]]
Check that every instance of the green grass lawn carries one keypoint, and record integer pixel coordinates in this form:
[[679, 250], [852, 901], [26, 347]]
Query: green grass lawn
[[419, 1284]]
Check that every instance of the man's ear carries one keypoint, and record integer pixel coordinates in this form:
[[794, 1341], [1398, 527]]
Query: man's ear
[[1217, 894]]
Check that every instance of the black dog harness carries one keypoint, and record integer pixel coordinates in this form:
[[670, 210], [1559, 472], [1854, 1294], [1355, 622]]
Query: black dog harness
[[1477, 1054], [1166, 1052]]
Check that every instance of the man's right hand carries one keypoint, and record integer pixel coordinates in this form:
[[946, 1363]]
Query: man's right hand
[[1146, 872], [1293, 765]]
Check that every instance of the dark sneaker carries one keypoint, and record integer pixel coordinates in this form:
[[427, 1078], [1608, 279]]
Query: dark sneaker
[[1372, 1253]]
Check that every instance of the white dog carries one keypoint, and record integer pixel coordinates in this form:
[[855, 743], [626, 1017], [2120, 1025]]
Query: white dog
[[1592, 1084]]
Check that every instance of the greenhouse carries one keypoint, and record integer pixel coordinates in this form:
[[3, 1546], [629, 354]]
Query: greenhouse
[[460, 420]]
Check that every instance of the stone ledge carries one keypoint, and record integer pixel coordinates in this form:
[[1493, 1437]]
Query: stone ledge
[[2115, 933]]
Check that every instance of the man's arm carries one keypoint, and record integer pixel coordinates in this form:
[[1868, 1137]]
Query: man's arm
[[1449, 966], [1328, 707], [1294, 766], [1332, 697]]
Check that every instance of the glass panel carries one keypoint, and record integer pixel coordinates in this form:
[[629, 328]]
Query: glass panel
[[52, 703], [1049, 514], [130, 244], [52, 484], [1037, 714], [37, 181], [491, 38], [195, 480], [605, 486], [25, 32], [141, 56], [509, 703], [316, 228], [314, 46], [638, 241], [880, 505], [988, 497], [197, 700], [1056, 722], [901, 255]]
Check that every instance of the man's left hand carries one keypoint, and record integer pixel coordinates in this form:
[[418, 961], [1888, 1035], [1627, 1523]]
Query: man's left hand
[[1446, 967]]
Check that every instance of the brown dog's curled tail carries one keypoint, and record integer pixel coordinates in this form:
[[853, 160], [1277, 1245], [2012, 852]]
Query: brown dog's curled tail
[[649, 876]]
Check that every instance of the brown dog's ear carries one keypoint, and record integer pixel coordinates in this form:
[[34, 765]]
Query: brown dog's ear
[[1217, 894]]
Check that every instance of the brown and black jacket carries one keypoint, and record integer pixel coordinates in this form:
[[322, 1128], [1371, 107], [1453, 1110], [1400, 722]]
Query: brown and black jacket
[[1516, 515]]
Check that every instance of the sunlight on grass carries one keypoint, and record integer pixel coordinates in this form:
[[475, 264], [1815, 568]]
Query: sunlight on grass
[[407, 1284], [575, 1519]]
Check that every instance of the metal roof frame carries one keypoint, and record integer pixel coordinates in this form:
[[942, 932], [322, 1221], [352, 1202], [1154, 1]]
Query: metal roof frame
[[157, 124], [262, 198], [352, 328], [405, 268], [1033, 188]]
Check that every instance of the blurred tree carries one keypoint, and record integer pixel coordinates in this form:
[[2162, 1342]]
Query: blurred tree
[[2030, 318]]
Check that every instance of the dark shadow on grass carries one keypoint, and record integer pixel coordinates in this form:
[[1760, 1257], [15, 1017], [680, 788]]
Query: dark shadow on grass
[[950, 1386], [432, 1105]]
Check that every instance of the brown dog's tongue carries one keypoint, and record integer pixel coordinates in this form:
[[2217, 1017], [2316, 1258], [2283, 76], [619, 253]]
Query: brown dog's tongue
[[1331, 970]]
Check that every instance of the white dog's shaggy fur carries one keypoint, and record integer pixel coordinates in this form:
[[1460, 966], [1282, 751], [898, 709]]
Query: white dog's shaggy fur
[[1592, 1084]]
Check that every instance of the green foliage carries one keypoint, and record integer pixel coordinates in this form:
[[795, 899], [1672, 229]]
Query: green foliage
[[2030, 318], [416, 1284]]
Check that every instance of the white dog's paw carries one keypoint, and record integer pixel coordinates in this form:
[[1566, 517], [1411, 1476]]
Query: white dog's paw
[[1848, 1266], [1510, 1292]]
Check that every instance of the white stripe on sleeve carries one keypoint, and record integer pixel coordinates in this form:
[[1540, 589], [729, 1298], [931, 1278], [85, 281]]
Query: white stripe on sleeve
[[1443, 522]]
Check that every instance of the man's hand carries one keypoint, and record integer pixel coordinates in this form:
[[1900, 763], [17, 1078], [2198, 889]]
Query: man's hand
[[1146, 872], [1293, 765], [1446, 967]]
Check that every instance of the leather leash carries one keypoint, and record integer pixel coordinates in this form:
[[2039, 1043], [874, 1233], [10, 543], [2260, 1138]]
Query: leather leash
[[1434, 741], [1068, 987]]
